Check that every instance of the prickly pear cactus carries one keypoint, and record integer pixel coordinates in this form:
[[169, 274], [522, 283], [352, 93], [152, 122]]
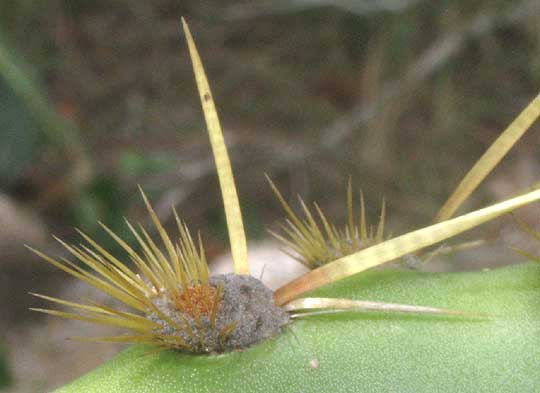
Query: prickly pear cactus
[[367, 352]]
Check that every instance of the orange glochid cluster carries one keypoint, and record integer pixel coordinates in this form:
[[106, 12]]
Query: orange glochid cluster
[[200, 300]]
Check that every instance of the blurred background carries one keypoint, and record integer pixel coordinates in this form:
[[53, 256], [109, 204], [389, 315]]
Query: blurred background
[[97, 97]]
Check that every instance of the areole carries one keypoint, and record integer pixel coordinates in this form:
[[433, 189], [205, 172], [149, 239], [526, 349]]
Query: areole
[[177, 305]]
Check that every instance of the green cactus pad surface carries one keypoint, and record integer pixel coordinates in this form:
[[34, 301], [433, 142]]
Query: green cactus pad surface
[[368, 352]]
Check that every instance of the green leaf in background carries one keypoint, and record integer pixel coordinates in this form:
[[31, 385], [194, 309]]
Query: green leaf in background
[[5, 375], [102, 199], [368, 352], [134, 164], [19, 136], [16, 79]]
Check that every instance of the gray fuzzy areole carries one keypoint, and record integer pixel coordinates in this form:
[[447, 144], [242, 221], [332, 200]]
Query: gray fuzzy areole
[[246, 302]]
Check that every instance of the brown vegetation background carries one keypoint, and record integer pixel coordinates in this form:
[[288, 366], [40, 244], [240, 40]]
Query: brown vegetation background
[[97, 97]]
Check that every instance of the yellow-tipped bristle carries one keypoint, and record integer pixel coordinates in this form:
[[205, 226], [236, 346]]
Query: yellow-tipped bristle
[[160, 340], [215, 305], [316, 245], [110, 258], [526, 228], [143, 266], [173, 257], [84, 307], [380, 228], [362, 222], [70, 268], [532, 233], [290, 213], [144, 325], [350, 213], [226, 331], [169, 280], [178, 273]]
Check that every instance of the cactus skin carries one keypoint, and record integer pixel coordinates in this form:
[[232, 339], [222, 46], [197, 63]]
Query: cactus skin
[[368, 352]]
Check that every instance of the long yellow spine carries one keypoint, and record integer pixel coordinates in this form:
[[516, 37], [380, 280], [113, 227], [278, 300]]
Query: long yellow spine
[[233, 213]]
